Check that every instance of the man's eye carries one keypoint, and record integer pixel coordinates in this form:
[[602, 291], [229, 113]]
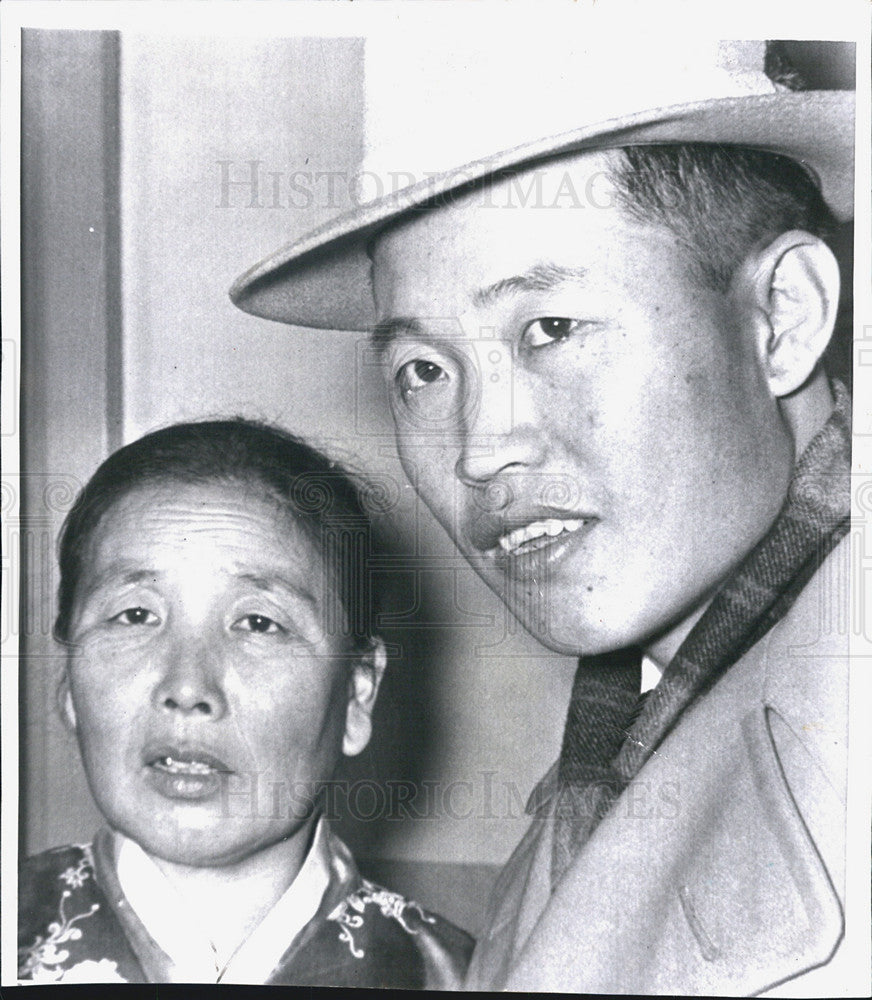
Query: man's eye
[[549, 329], [418, 374], [257, 623], [136, 616]]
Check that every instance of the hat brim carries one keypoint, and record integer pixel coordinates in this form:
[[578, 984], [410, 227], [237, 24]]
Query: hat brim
[[323, 280]]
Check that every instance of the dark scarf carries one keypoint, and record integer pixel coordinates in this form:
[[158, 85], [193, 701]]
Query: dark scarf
[[610, 732]]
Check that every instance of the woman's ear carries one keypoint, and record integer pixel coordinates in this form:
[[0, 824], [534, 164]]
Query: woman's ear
[[794, 284], [363, 688], [65, 702]]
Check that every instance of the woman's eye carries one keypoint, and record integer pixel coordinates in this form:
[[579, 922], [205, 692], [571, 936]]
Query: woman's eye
[[418, 374], [259, 624], [136, 616], [549, 329]]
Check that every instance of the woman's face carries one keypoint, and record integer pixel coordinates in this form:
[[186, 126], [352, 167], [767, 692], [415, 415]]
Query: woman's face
[[208, 699]]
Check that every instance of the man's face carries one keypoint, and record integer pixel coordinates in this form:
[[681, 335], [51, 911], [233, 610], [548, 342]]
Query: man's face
[[592, 427]]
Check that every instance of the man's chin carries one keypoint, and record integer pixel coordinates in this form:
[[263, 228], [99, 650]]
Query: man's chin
[[601, 630], [575, 639]]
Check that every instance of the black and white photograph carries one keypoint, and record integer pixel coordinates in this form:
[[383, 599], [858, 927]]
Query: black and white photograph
[[437, 496]]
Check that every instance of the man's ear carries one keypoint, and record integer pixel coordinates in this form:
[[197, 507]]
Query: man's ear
[[794, 283], [65, 702], [362, 692]]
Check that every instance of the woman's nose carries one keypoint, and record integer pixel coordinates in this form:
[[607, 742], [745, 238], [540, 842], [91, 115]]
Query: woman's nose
[[191, 681]]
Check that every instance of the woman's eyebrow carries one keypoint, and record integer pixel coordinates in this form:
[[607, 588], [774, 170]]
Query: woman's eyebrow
[[116, 574], [274, 582]]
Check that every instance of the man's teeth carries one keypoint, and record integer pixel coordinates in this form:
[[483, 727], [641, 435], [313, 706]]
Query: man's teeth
[[183, 766], [551, 527]]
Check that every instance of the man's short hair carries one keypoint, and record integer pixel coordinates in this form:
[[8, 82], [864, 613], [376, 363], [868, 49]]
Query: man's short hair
[[720, 202]]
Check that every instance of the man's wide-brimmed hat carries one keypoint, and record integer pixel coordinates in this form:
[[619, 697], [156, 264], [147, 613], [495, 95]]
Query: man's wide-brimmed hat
[[439, 121]]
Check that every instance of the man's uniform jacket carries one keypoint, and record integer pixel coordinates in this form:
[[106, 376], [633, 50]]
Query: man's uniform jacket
[[721, 869]]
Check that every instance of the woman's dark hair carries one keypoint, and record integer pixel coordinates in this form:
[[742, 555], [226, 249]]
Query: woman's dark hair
[[317, 492]]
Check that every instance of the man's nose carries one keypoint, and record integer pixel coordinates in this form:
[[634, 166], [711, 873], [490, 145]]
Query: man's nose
[[191, 681], [501, 433]]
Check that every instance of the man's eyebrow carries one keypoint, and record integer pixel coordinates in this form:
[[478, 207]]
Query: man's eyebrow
[[390, 329], [538, 278]]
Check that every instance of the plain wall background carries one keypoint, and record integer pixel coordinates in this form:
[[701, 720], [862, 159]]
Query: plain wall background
[[132, 237]]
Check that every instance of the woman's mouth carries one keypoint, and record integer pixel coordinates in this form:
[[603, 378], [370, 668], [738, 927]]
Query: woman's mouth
[[185, 772]]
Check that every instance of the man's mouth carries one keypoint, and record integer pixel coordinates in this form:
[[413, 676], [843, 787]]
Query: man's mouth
[[540, 545], [537, 534]]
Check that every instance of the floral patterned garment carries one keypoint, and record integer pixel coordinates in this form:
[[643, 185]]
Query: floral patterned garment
[[361, 936]]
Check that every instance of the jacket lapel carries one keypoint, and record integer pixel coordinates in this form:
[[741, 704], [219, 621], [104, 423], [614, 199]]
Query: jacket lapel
[[703, 878]]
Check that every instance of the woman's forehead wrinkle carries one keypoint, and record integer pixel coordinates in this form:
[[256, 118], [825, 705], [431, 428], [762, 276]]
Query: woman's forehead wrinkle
[[256, 544], [187, 517]]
